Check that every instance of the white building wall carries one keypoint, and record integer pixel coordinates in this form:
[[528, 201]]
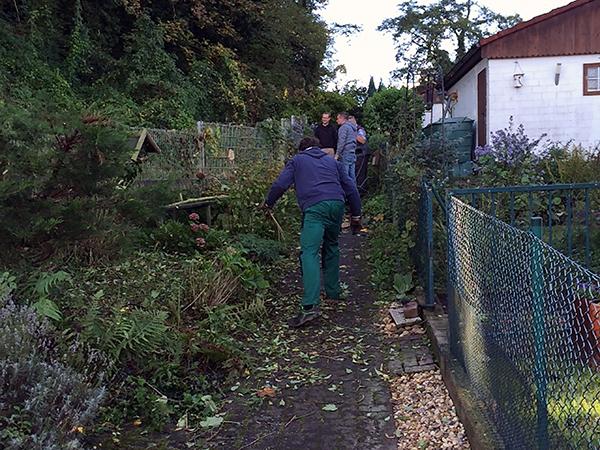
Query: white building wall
[[433, 115], [562, 112], [466, 89]]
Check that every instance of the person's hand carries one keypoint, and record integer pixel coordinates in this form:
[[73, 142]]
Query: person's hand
[[355, 224], [266, 209], [337, 156]]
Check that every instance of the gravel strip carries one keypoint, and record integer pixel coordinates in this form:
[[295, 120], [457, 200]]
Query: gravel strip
[[424, 413]]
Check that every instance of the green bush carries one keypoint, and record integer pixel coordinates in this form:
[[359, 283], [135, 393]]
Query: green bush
[[389, 250], [246, 191], [395, 114], [264, 251]]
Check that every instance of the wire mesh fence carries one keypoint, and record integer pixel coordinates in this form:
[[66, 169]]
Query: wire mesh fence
[[214, 150], [571, 213], [525, 324], [180, 158]]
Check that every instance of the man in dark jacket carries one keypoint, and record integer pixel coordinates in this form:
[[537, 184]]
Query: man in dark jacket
[[322, 185], [326, 133]]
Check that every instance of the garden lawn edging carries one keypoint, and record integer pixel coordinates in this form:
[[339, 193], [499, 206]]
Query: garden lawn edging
[[478, 428]]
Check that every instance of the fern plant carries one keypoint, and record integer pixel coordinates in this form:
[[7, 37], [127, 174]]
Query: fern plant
[[40, 290], [126, 334]]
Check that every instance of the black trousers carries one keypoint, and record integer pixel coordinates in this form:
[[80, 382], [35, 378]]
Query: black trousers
[[362, 164]]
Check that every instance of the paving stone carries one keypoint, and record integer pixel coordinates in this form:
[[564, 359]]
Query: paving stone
[[425, 359], [416, 369], [409, 360], [400, 320], [395, 367]]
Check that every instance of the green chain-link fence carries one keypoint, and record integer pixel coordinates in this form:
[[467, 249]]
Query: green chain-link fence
[[525, 324]]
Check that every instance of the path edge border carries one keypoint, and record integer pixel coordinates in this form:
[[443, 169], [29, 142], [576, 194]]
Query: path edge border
[[478, 428]]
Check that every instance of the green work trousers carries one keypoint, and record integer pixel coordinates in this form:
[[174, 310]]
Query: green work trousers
[[320, 231]]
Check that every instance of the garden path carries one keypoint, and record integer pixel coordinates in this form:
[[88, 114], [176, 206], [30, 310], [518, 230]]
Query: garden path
[[328, 389], [351, 381]]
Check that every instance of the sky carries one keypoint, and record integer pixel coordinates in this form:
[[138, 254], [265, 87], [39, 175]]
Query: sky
[[371, 52]]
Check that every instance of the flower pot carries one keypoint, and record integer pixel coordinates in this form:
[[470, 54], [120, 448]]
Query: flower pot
[[595, 319], [586, 331]]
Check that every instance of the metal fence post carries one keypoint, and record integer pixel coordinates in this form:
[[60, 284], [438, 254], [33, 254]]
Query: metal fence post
[[539, 334], [429, 222], [453, 315]]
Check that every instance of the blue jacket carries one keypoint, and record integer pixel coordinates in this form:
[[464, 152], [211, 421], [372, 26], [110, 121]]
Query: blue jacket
[[318, 177], [346, 144]]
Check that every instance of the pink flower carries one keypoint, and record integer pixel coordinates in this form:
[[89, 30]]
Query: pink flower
[[195, 217], [204, 227], [200, 242], [195, 227]]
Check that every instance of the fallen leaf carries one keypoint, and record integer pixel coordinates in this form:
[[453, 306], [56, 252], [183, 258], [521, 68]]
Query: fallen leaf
[[182, 423], [330, 407], [267, 392], [211, 422]]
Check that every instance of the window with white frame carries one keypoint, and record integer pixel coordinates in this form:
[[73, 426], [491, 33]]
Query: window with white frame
[[591, 79]]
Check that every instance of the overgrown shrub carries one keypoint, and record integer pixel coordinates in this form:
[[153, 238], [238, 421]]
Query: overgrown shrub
[[166, 322], [389, 256], [396, 114], [246, 191]]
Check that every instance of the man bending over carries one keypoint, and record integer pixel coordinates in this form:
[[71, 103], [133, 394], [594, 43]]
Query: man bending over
[[322, 185]]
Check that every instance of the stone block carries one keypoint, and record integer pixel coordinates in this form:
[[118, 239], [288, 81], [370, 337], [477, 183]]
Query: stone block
[[400, 320], [411, 310]]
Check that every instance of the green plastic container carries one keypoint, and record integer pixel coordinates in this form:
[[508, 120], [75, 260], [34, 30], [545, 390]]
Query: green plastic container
[[459, 132]]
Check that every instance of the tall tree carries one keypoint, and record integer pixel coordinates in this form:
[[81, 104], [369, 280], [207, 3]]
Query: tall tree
[[372, 89], [423, 32]]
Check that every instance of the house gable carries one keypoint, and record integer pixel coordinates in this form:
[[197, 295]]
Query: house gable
[[571, 30]]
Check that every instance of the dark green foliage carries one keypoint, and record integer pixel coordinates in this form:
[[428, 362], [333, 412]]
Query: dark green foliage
[[389, 253], [234, 60], [333, 102], [265, 251], [63, 191], [396, 114], [173, 236], [371, 89]]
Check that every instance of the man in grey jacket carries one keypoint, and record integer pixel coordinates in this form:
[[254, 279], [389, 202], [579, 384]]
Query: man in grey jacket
[[346, 144]]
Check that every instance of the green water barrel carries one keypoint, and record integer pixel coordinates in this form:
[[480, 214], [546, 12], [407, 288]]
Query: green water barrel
[[459, 132]]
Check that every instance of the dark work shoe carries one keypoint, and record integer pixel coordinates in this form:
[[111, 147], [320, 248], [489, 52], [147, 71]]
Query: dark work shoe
[[304, 317]]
